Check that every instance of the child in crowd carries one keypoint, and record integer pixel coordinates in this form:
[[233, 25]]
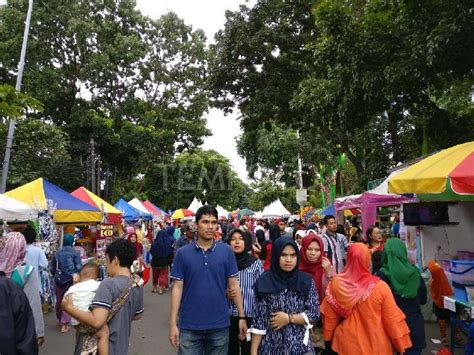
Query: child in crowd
[[83, 294], [439, 288], [299, 238], [117, 302]]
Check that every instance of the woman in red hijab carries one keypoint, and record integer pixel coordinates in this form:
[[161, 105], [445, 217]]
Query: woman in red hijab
[[315, 263], [319, 267]]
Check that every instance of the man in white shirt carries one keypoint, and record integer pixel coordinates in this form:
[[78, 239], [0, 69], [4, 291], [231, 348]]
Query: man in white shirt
[[335, 244]]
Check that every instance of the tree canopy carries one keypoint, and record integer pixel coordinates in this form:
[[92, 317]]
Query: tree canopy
[[374, 80], [104, 71]]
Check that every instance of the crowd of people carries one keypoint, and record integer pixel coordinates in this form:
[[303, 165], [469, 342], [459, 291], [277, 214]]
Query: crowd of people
[[300, 290], [239, 286]]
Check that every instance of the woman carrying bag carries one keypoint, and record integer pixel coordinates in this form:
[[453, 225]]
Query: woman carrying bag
[[65, 265]]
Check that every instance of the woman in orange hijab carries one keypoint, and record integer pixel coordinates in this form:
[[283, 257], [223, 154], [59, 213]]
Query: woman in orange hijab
[[364, 303], [439, 288]]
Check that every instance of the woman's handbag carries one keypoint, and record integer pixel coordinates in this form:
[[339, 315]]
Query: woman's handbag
[[61, 278]]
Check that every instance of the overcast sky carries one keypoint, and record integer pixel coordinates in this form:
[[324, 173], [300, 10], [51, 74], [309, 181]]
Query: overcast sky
[[208, 15]]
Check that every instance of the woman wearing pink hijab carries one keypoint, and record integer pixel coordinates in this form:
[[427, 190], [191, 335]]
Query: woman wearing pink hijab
[[15, 268]]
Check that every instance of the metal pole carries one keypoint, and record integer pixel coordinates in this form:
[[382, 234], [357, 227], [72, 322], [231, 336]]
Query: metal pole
[[12, 123]]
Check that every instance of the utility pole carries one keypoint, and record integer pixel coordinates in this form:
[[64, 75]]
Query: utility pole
[[300, 165], [12, 123], [107, 182], [301, 193], [98, 176], [93, 179]]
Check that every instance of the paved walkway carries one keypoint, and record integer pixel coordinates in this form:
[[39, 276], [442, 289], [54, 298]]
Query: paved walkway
[[150, 334]]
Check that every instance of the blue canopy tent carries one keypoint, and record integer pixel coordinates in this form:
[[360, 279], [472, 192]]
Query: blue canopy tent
[[329, 210], [130, 213]]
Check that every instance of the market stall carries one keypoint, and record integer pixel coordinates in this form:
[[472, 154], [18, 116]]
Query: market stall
[[112, 214], [154, 209], [369, 201], [42, 194], [195, 205], [444, 184], [12, 210], [136, 203], [444, 220], [275, 210], [131, 213], [222, 212]]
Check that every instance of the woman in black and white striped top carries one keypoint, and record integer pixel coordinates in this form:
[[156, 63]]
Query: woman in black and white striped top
[[250, 269]]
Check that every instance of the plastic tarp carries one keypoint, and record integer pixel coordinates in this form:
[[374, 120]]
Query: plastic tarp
[[275, 209], [68, 208], [13, 210], [195, 205], [129, 212], [114, 216]]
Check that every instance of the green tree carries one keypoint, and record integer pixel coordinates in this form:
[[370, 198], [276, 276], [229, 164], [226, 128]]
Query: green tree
[[40, 150], [14, 104], [361, 78], [265, 191], [204, 174], [106, 72]]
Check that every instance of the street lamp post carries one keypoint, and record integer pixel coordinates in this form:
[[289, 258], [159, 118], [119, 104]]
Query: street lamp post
[[12, 123]]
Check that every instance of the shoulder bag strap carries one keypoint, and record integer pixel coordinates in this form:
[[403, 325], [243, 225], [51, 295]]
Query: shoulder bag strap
[[120, 301]]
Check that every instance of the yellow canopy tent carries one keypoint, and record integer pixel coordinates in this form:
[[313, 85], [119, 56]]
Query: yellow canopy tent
[[68, 208]]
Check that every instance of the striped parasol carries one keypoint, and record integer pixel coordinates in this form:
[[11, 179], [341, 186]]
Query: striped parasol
[[446, 175]]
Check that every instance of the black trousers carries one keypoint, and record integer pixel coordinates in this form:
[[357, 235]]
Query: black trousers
[[236, 346]]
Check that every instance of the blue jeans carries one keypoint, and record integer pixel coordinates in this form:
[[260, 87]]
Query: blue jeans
[[207, 342]]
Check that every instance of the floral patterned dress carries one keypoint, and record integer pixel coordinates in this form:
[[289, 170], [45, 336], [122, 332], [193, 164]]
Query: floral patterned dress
[[290, 339]]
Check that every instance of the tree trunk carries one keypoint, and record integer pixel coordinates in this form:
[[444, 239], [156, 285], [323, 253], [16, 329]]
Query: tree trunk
[[354, 160]]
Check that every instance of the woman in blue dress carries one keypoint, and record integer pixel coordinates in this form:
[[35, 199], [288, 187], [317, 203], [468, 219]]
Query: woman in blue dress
[[286, 305]]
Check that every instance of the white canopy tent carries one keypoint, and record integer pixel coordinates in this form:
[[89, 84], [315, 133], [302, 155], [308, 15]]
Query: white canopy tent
[[258, 215], [222, 212], [14, 210], [136, 203], [275, 210], [195, 205]]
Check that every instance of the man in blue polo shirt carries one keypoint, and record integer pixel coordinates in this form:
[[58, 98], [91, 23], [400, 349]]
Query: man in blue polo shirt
[[203, 271]]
